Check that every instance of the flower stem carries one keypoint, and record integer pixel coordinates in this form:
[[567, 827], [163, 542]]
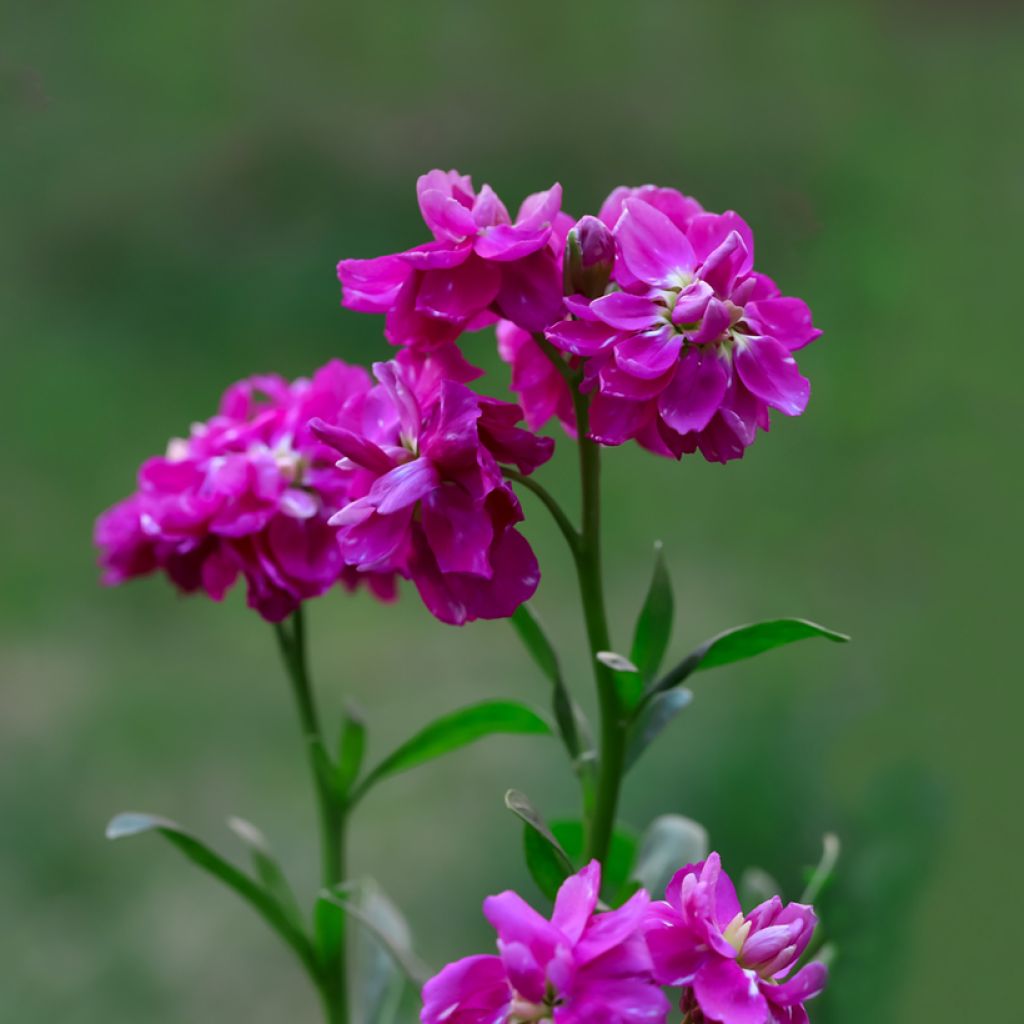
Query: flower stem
[[331, 811]]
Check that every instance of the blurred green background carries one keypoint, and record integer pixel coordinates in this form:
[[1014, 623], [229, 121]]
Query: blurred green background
[[178, 183]]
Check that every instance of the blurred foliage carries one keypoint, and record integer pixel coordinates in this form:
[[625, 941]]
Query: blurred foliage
[[179, 181]]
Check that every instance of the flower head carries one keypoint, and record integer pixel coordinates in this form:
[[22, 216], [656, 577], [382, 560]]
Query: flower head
[[577, 968], [480, 265], [735, 968], [430, 499], [248, 492], [692, 346]]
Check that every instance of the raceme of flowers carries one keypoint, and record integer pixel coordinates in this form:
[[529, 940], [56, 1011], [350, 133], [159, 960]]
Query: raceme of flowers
[[649, 317], [583, 966]]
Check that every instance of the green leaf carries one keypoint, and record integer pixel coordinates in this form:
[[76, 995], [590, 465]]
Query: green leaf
[[744, 642], [629, 684], [654, 625], [456, 730], [366, 903], [266, 905], [670, 843], [548, 863], [651, 719], [536, 641], [267, 869], [617, 868], [825, 869], [351, 748], [328, 929]]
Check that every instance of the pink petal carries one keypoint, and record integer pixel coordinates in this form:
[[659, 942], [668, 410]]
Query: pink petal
[[707, 231], [404, 486], [353, 446], [627, 312], [531, 291], [653, 248], [770, 372], [538, 210], [446, 217], [506, 242], [716, 320], [616, 420], [725, 263], [374, 540], [576, 901], [728, 993], [785, 319], [488, 209], [692, 302], [299, 504], [459, 294], [650, 354], [805, 984], [437, 255], [458, 530], [372, 286], [469, 991], [580, 337], [695, 391]]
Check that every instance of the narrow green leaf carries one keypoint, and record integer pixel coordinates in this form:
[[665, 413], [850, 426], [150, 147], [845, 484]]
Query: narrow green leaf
[[351, 748], [825, 869], [536, 642], [133, 824], [652, 719], [267, 869], [382, 919], [547, 861], [745, 642], [328, 929], [456, 730], [670, 843], [617, 868], [654, 625], [629, 684]]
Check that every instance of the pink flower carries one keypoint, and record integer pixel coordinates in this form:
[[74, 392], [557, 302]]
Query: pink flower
[[430, 498], [479, 266], [577, 968], [249, 492], [693, 346], [733, 967], [542, 390]]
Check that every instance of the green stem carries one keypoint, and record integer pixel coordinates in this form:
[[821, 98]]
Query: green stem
[[331, 811]]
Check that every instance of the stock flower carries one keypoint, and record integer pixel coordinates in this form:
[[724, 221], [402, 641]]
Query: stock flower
[[480, 265], [692, 347], [542, 390], [249, 492], [734, 967], [430, 500], [577, 968]]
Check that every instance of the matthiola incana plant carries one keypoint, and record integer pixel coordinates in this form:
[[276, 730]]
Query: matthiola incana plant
[[646, 322]]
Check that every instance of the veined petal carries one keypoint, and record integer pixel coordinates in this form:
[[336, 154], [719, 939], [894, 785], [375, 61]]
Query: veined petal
[[446, 217], [353, 446], [770, 372], [653, 248], [507, 242], [458, 530], [627, 312], [404, 486], [787, 320], [650, 354], [372, 286], [580, 337], [695, 391]]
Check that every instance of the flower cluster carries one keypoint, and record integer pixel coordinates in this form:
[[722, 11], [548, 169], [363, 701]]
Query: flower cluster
[[582, 966], [429, 497], [249, 492]]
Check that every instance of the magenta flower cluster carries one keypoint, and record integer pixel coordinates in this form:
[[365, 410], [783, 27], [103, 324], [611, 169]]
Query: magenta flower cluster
[[650, 317], [583, 966]]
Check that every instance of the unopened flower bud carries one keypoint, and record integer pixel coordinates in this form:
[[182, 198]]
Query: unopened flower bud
[[589, 255]]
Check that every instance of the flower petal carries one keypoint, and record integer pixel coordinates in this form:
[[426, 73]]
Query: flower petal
[[650, 354], [580, 337], [506, 242], [459, 294], [695, 391], [787, 320], [653, 248], [576, 900], [728, 993], [770, 372], [627, 312], [805, 984], [458, 530], [403, 486]]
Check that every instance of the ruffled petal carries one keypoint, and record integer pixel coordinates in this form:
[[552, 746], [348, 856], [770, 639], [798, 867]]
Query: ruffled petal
[[770, 372], [653, 248], [695, 391], [729, 994]]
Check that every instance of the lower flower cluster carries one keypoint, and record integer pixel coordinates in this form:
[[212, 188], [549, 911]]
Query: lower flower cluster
[[588, 967]]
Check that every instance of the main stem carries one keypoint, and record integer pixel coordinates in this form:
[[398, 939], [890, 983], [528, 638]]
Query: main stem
[[588, 570], [331, 812]]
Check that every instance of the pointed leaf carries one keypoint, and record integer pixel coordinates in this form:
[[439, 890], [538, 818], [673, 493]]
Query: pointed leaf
[[547, 861], [629, 683], [536, 641], [351, 747], [453, 731], [267, 869], [744, 642], [132, 824], [825, 869], [670, 843], [652, 719], [328, 930], [654, 626]]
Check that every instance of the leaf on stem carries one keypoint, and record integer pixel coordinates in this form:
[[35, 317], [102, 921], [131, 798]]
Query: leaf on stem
[[654, 625], [456, 730], [265, 904], [351, 748], [536, 642], [822, 874], [266, 867], [651, 719], [548, 863], [670, 843], [745, 642], [629, 684]]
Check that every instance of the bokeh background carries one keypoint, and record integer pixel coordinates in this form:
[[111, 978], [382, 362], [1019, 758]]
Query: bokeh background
[[178, 183]]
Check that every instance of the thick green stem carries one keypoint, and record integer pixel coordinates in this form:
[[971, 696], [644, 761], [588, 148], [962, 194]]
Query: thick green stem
[[331, 811]]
